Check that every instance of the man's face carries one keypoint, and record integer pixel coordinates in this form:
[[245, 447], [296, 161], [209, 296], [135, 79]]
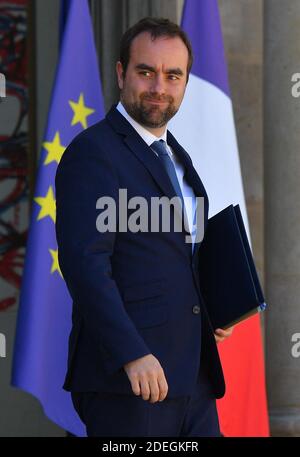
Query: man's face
[[155, 80]]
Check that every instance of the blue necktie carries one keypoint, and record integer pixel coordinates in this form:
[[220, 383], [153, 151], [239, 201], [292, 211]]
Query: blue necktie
[[161, 149]]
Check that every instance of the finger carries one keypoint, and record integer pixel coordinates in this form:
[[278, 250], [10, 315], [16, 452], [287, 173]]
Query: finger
[[163, 386], [135, 385], [145, 389], [219, 338], [222, 333], [230, 330], [154, 390], [225, 332]]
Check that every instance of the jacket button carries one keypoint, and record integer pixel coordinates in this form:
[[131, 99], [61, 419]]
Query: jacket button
[[196, 309]]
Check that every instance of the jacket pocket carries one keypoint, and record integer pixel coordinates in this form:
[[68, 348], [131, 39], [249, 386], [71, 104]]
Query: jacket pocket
[[143, 291], [146, 304], [150, 316]]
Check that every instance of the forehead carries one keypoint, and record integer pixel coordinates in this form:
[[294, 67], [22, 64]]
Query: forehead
[[166, 51]]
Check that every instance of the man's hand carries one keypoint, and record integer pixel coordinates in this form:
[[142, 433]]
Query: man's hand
[[221, 334], [147, 378]]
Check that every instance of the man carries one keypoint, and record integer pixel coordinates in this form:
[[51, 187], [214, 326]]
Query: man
[[143, 359]]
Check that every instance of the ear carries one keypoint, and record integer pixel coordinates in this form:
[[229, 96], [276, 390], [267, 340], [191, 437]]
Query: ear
[[120, 73]]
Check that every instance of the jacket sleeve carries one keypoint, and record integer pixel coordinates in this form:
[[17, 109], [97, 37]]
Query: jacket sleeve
[[83, 175]]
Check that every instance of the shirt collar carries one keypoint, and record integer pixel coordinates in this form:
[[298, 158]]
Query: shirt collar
[[147, 136]]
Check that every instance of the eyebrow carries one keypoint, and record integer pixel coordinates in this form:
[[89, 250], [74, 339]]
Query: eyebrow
[[173, 71]]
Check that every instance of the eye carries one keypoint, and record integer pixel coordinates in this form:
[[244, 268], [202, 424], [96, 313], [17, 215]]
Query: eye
[[145, 73], [173, 77]]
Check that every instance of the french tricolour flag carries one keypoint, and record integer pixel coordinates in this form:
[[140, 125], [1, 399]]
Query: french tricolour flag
[[205, 127]]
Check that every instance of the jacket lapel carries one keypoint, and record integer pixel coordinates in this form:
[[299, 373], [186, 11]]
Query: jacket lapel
[[142, 151], [191, 174], [146, 156], [192, 178]]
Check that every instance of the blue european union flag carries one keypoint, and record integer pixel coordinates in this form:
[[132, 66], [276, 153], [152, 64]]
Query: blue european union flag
[[44, 319]]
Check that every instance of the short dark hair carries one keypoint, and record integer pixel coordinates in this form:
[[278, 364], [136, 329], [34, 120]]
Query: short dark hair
[[157, 27]]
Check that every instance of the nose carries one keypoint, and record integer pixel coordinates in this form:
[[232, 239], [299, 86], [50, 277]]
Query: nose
[[158, 85]]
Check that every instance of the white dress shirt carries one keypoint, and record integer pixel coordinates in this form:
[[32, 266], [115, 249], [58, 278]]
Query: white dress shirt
[[186, 190]]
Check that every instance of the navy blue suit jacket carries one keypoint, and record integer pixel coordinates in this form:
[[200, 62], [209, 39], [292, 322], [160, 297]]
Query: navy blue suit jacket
[[133, 293]]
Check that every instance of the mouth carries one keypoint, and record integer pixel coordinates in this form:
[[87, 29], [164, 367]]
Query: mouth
[[155, 102]]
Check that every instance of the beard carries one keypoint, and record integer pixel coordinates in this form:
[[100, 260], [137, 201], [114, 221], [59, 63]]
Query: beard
[[151, 116]]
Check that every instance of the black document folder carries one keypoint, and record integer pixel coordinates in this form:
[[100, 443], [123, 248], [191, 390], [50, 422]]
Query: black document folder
[[228, 278]]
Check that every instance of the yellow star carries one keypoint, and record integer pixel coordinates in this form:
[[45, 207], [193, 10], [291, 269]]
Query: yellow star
[[81, 112], [55, 264], [47, 205], [55, 149]]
